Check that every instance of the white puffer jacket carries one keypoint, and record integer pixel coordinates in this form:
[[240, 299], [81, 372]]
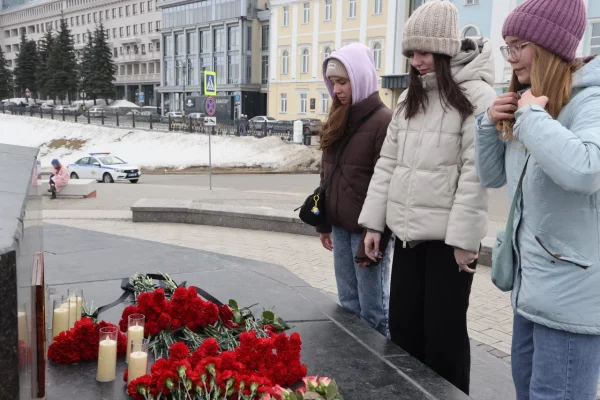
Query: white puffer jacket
[[425, 186]]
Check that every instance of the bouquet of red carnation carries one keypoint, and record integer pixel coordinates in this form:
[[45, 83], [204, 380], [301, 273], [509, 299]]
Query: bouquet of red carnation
[[80, 343]]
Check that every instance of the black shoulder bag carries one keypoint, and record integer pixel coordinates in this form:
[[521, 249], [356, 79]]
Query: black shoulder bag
[[312, 211]]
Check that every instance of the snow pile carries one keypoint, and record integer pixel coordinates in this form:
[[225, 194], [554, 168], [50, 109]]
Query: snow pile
[[151, 149]]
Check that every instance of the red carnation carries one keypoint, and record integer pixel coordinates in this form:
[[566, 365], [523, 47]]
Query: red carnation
[[164, 321], [179, 351], [225, 313], [137, 385]]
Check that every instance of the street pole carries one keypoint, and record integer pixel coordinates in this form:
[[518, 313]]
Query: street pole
[[210, 158]]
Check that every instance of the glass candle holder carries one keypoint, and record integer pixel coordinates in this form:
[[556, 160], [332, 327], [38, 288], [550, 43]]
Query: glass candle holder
[[22, 320], [107, 354], [76, 298], [138, 359], [135, 330], [60, 316]]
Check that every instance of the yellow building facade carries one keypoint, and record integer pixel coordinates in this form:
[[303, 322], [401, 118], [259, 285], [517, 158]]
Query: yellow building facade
[[304, 33]]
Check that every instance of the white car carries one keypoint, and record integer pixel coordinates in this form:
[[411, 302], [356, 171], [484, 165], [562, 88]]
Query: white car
[[104, 168]]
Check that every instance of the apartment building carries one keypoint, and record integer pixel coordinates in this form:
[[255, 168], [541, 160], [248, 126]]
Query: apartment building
[[132, 27], [304, 33], [230, 37]]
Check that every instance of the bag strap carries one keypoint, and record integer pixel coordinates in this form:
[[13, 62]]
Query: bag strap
[[508, 233], [353, 130]]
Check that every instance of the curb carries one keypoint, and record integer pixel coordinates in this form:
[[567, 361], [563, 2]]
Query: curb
[[228, 216]]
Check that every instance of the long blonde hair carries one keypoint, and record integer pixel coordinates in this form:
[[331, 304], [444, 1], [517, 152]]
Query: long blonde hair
[[551, 76]]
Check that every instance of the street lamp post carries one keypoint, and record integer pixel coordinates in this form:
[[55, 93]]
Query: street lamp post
[[186, 68]]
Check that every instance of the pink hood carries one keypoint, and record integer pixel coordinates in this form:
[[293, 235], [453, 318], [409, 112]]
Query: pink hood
[[359, 62]]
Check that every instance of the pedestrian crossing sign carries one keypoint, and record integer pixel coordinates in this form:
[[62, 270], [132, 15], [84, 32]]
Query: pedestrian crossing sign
[[210, 83]]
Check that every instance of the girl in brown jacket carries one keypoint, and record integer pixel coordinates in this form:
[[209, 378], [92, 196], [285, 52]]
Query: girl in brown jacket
[[358, 111]]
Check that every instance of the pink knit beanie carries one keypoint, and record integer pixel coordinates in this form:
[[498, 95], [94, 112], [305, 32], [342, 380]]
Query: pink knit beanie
[[556, 25]]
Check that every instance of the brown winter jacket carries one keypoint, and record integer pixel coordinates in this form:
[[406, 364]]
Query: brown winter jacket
[[348, 188]]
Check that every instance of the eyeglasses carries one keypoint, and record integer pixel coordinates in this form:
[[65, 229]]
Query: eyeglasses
[[513, 51]]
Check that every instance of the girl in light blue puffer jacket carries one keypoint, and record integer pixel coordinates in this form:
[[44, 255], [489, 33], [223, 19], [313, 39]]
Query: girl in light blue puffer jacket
[[551, 114]]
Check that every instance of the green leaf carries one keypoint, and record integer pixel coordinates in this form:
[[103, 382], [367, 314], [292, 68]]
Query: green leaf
[[281, 322], [237, 317], [312, 396], [268, 316], [332, 390], [233, 304]]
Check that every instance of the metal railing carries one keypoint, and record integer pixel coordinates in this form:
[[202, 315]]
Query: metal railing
[[128, 119]]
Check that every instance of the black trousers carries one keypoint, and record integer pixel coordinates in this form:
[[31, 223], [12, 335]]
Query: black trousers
[[429, 299]]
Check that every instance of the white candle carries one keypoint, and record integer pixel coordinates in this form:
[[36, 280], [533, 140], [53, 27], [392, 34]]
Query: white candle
[[134, 332], [77, 301], [107, 360], [23, 327], [138, 365], [60, 321]]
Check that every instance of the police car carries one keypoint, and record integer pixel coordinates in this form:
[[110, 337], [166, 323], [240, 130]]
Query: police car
[[104, 167]]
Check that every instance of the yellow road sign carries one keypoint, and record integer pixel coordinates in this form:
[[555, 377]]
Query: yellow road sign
[[210, 83]]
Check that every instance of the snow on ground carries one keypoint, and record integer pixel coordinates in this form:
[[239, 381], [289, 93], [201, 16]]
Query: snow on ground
[[152, 149]]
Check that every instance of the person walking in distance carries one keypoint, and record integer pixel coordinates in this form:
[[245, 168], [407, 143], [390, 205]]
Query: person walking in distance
[[425, 188], [547, 126], [354, 131]]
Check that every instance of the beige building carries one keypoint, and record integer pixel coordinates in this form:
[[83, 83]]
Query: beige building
[[303, 33]]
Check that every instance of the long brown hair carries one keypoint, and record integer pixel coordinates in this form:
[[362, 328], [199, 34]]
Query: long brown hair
[[551, 76], [451, 94], [334, 127]]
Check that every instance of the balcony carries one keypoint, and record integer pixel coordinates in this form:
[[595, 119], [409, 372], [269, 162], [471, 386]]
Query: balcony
[[130, 40], [148, 56], [141, 78]]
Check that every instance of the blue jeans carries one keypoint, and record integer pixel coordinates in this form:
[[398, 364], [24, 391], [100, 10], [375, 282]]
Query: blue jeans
[[548, 364], [362, 291]]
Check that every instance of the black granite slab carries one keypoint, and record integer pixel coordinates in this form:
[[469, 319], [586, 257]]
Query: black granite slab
[[335, 343]]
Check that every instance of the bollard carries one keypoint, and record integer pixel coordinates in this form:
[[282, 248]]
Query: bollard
[[3, 108], [63, 113], [102, 116], [190, 118], [30, 111], [169, 118], [265, 128], [52, 112], [117, 114], [41, 113], [150, 120], [76, 114], [88, 116], [133, 118]]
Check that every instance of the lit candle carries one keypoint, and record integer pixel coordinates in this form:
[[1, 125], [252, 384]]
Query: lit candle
[[134, 333], [77, 301], [107, 360], [138, 365], [23, 327], [60, 320], [71, 305]]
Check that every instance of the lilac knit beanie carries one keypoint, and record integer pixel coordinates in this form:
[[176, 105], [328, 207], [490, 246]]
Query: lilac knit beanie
[[556, 25]]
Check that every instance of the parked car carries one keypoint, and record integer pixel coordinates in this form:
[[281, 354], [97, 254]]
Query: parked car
[[311, 126], [59, 109], [146, 115], [258, 123], [199, 116], [96, 112], [104, 167]]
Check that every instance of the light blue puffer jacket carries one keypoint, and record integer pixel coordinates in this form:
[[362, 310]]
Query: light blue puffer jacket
[[557, 227]]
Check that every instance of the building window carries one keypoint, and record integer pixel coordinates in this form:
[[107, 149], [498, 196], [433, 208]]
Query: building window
[[121, 32], [150, 5], [72, 24], [108, 34], [89, 18], [142, 7], [143, 49], [595, 39], [178, 44], [378, 7], [219, 68], [204, 41], [471, 2], [135, 29], [326, 52], [127, 8], [114, 13], [95, 17], [78, 38], [324, 103], [470, 31], [265, 38], [328, 10], [249, 39], [114, 33], [352, 9], [285, 63], [157, 26], [192, 42], [142, 29], [128, 30], [76, 21], [115, 53], [168, 41], [149, 27], [377, 55], [306, 13], [219, 40], [233, 42], [120, 12], [305, 61], [264, 70], [233, 63], [248, 69], [283, 102], [286, 16], [302, 104], [134, 9], [107, 14]]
